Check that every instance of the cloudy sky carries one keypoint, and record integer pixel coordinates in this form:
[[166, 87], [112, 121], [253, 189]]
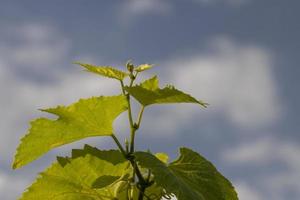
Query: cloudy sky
[[241, 56]]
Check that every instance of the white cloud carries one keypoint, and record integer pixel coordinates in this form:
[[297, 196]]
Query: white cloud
[[11, 186], [131, 10], [265, 152], [246, 192], [143, 7], [39, 46], [229, 2], [147, 6], [222, 79], [237, 80], [20, 97], [238, 2], [259, 152]]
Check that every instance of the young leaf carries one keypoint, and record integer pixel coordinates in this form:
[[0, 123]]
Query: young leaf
[[189, 177], [86, 118], [106, 71], [143, 67], [151, 84], [75, 180], [148, 93]]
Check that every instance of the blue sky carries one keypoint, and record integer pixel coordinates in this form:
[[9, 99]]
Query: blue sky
[[241, 56]]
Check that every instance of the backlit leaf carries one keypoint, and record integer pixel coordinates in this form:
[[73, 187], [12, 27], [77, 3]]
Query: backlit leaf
[[143, 67], [85, 118], [104, 181], [151, 84], [106, 71], [189, 177], [74, 181], [162, 157], [148, 93], [112, 156]]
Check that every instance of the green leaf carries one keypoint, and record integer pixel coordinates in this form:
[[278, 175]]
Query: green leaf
[[74, 181], [106, 71], [104, 181], [85, 118], [77, 178], [143, 67], [148, 93], [63, 161], [191, 176], [112, 156], [151, 84], [153, 192], [162, 157]]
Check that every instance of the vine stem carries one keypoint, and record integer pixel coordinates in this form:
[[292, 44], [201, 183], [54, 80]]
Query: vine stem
[[140, 116], [142, 183], [119, 145], [135, 128], [132, 131], [131, 160], [132, 128], [141, 193]]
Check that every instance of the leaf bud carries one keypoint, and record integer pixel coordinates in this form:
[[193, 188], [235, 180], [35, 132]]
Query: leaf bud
[[135, 126], [130, 66]]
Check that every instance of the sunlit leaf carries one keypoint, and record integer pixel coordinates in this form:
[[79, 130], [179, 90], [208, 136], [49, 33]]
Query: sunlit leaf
[[189, 177], [75, 180], [162, 157], [112, 156], [106, 71], [151, 84], [148, 93], [104, 181], [143, 67], [85, 118]]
